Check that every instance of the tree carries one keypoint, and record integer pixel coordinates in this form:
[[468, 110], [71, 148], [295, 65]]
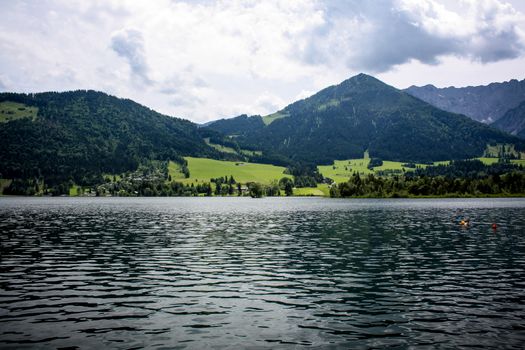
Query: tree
[[273, 189], [218, 188], [286, 184], [255, 189]]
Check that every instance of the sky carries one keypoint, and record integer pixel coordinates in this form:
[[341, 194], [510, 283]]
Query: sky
[[204, 60]]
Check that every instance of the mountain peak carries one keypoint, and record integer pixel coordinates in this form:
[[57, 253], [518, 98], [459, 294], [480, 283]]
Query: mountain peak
[[363, 78]]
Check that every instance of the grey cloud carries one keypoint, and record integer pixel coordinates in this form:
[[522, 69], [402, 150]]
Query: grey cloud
[[2, 86], [129, 44], [374, 36], [496, 46]]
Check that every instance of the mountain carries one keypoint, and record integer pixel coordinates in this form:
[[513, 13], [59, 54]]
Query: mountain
[[513, 121], [79, 135], [363, 113], [238, 125], [482, 103]]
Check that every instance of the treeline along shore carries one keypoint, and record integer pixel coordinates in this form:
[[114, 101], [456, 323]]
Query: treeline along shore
[[469, 178]]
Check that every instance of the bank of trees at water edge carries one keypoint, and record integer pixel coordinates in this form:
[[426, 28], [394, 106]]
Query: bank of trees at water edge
[[461, 178]]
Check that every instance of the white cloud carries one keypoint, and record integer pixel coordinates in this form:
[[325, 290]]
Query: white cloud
[[377, 35], [209, 59]]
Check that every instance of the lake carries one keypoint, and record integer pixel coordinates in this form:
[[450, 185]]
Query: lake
[[199, 273]]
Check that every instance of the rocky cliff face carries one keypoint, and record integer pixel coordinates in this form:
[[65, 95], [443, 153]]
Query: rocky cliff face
[[486, 104]]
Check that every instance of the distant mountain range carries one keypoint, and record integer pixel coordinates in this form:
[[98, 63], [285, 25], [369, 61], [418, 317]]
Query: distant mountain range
[[360, 114], [486, 104]]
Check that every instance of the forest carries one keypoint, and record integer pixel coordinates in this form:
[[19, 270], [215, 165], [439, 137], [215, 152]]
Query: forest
[[459, 179]]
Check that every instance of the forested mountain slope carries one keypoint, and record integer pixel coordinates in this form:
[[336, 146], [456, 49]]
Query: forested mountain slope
[[513, 121], [363, 113], [79, 135]]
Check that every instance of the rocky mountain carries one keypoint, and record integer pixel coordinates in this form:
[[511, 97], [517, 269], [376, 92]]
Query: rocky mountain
[[79, 135], [482, 103], [363, 113], [513, 121]]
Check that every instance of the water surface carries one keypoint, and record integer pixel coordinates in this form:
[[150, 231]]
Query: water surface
[[218, 273]]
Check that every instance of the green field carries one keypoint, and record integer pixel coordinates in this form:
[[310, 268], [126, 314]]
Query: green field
[[488, 160], [74, 191], [494, 151], [204, 169], [251, 153], [175, 171], [10, 111], [226, 149], [320, 190], [268, 119], [220, 148], [442, 162], [112, 177], [341, 170], [491, 160]]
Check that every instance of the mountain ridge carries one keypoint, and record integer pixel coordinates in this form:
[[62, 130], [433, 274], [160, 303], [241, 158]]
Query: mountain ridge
[[80, 134], [363, 113], [484, 103]]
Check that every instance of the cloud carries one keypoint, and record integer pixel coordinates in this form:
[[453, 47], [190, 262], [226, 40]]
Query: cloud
[[377, 35], [268, 103], [207, 59], [129, 44]]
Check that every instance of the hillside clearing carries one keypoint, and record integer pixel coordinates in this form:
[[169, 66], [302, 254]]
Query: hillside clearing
[[10, 111], [204, 169], [341, 170], [322, 190]]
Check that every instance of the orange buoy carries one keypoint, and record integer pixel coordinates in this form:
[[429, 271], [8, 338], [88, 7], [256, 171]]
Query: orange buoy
[[494, 226]]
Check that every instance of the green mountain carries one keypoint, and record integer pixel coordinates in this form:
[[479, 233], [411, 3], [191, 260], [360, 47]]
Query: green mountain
[[360, 114], [238, 125], [513, 121], [81, 134]]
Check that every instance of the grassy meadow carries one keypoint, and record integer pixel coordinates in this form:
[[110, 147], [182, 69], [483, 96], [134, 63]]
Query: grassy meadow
[[268, 119], [341, 170], [322, 190], [10, 111], [492, 160], [203, 169]]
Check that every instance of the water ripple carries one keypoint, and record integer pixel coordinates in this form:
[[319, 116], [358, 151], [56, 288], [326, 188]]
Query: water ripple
[[272, 273]]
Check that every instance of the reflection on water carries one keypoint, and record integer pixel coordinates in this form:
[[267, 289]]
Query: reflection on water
[[271, 273]]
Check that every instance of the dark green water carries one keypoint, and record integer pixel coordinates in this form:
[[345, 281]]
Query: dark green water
[[273, 273]]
